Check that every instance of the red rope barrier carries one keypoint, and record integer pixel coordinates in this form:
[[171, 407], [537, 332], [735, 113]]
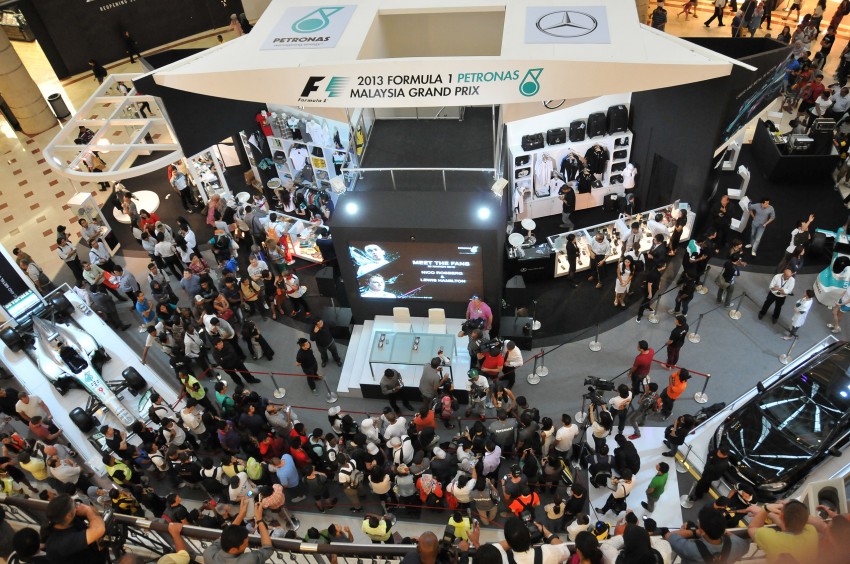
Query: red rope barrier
[[688, 369]]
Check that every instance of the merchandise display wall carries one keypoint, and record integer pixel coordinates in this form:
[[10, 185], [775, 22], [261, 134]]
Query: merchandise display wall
[[298, 138], [559, 142], [415, 236]]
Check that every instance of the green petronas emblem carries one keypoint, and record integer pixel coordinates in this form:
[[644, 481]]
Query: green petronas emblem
[[530, 85], [316, 20]]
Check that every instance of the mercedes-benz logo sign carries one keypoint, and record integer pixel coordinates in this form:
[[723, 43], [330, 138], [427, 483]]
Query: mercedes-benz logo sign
[[567, 24]]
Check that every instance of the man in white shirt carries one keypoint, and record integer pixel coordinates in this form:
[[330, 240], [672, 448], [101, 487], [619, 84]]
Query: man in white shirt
[[99, 255], [193, 346], [781, 286], [127, 283], [256, 267], [166, 250], [620, 405], [657, 227], [29, 406], [68, 253], [518, 543], [564, 437], [840, 101], [599, 249], [396, 426], [513, 360]]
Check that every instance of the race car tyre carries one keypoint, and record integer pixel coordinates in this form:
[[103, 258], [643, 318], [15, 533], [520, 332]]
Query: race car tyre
[[84, 421], [12, 339], [134, 380]]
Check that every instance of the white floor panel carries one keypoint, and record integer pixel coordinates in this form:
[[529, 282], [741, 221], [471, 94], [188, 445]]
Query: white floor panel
[[667, 512]]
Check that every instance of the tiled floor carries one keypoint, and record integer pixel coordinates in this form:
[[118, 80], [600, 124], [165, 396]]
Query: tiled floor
[[34, 198]]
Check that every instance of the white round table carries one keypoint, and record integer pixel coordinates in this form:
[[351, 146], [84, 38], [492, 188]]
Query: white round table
[[144, 199], [243, 197]]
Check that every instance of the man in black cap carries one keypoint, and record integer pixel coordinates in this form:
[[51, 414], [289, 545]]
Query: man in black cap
[[306, 359]]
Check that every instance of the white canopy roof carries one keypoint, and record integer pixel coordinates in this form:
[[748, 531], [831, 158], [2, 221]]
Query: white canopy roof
[[392, 53]]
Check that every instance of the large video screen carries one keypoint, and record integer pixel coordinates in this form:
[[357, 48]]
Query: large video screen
[[445, 272], [16, 297]]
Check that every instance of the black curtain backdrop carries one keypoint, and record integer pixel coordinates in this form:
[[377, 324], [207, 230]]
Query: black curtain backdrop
[[73, 31], [680, 125], [199, 121]]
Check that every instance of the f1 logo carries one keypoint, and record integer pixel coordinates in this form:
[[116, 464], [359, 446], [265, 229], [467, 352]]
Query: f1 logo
[[311, 86]]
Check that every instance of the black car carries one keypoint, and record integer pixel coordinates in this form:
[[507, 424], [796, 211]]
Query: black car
[[787, 429]]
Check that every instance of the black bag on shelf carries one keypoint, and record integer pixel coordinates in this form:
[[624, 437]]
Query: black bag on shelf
[[556, 136], [596, 124], [621, 142], [532, 142], [616, 179], [279, 157], [522, 160], [620, 154], [618, 118], [577, 130], [610, 203], [617, 167]]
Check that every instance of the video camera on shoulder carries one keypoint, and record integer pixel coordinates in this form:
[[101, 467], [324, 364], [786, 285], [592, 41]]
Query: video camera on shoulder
[[494, 345], [470, 324]]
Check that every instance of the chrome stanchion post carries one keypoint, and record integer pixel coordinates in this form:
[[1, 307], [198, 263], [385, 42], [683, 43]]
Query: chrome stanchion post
[[735, 312], [701, 396], [681, 467], [653, 316], [686, 500], [693, 336], [701, 289], [533, 378], [786, 358], [595, 345], [541, 370], [331, 396], [279, 391]]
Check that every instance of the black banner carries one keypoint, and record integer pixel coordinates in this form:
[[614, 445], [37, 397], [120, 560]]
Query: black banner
[[79, 30]]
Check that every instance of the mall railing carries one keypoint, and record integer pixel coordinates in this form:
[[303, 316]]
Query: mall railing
[[422, 179], [143, 536]]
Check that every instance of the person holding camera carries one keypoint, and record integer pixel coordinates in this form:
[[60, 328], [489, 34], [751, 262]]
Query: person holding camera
[[432, 379], [518, 545], [600, 424], [622, 487], [477, 309], [479, 388], [73, 532], [708, 541]]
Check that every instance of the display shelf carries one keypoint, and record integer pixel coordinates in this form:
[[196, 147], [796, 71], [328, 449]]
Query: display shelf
[[613, 231], [206, 171], [539, 200]]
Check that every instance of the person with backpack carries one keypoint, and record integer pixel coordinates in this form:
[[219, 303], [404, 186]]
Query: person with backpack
[[351, 479], [707, 542]]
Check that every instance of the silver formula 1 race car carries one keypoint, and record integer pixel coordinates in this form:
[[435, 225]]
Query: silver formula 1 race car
[[69, 357]]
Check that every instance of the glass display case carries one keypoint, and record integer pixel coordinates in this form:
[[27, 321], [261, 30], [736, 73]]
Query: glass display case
[[207, 172], [301, 240], [15, 25], [614, 232]]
